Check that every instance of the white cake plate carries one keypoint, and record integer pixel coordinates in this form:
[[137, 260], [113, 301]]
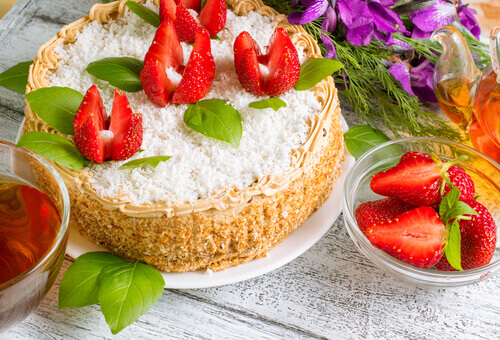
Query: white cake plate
[[300, 240]]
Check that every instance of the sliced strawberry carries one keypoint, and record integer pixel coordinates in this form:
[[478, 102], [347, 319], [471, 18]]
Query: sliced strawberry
[[478, 239], [191, 4], [416, 237], [126, 127], [199, 71], [165, 52], [213, 16], [93, 139], [167, 10], [370, 213], [281, 64], [185, 25], [455, 174], [89, 120]]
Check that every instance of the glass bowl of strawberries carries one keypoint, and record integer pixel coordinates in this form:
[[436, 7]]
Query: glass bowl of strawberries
[[426, 211]]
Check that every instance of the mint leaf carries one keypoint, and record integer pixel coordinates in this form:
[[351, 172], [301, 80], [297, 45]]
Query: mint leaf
[[55, 148], [16, 77], [451, 207], [273, 103], [144, 13], [56, 106], [127, 291], [362, 138], [216, 119], [79, 285], [315, 70], [143, 162], [452, 249], [123, 73]]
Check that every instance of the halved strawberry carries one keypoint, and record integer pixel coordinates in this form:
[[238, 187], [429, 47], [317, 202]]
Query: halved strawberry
[[167, 10], [199, 71], [416, 237], [212, 17], [478, 239], [166, 52], [270, 74], [92, 137], [370, 213]]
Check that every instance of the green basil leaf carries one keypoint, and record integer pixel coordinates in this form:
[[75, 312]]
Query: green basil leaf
[[144, 13], [79, 285], [143, 162], [16, 77], [273, 103], [127, 291], [315, 70], [56, 106], [362, 138], [452, 249], [216, 119], [123, 73], [55, 148]]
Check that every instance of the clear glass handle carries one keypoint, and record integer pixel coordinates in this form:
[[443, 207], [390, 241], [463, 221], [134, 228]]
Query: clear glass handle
[[495, 51]]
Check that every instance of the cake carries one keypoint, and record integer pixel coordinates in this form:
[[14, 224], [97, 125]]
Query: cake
[[211, 206]]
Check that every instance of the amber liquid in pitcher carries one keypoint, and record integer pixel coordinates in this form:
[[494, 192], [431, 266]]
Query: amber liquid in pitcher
[[454, 97], [29, 222]]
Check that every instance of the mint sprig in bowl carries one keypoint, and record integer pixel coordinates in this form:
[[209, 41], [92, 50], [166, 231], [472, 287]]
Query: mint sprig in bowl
[[482, 170]]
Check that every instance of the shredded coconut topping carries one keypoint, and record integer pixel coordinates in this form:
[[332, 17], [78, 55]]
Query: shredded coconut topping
[[200, 166]]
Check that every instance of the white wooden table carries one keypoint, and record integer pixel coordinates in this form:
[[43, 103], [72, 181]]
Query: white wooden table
[[331, 291]]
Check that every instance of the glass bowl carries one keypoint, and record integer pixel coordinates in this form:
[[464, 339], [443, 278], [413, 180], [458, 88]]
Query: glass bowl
[[486, 175], [34, 201]]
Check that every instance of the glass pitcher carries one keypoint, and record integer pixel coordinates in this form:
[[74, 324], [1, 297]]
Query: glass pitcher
[[468, 97]]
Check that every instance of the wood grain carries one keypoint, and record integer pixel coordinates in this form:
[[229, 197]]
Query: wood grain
[[332, 291]]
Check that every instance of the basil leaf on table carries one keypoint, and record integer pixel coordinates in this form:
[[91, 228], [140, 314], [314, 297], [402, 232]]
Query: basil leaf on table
[[16, 77], [272, 103], [361, 138], [123, 73], [216, 119], [55, 148], [57, 106], [149, 16], [143, 162], [315, 70]]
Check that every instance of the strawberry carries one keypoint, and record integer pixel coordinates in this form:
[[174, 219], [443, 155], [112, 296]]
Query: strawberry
[[212, 16], [455, 175], [415, 180], [93, 138], [416, 237], [374, 212], [269, 74], [166, 53], [478, 239]]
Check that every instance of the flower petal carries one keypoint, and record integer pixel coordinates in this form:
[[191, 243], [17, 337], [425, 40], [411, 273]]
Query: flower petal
[[385, 19], [314, 10], [361, 35], [354, 13], [466, 17], [419, 34], [330, 22], [330, 47], [401, 73], [437, 15]]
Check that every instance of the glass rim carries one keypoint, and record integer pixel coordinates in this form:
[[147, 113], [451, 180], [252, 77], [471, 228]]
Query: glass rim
[[63, 229], [423, 275]]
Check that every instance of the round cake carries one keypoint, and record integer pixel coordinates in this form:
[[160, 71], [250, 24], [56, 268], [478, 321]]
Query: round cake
[[211, 205]]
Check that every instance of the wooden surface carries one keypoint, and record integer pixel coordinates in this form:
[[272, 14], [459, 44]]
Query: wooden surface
[[332, 291]]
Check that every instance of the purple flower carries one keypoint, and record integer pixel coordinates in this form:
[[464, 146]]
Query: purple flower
[[385, 19], [358, 21], [315, 9], [466, 17], [418, 34], [329, 24], [390, 41], [416, 80], [437, 15]]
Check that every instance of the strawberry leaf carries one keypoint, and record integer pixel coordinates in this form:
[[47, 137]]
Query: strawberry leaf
[[315, 70], [272, 103], [123, 73], [362, 138], [79, 285], [216, 119], [16, 77], [127, 291], [144, 13], [452, 249], [56, 106], [55, 148], [143, 162]]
